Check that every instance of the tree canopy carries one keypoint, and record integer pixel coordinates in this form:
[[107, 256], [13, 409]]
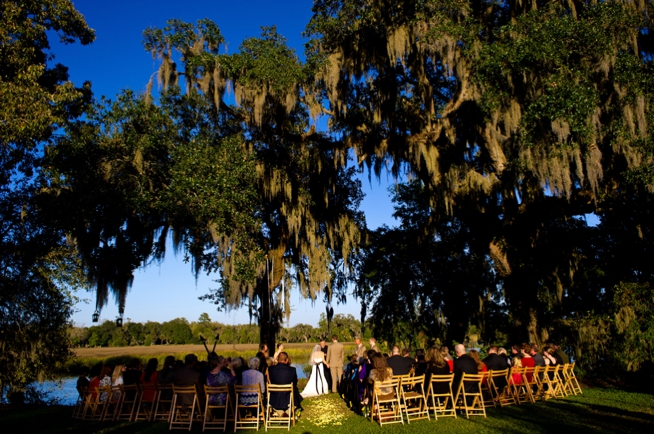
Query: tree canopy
[[512, 120]]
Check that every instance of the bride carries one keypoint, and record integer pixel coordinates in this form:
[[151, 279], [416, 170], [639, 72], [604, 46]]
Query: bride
[[317, 384]]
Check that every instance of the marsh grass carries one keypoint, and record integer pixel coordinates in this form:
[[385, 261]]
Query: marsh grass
[[605, 410], [299, 353]]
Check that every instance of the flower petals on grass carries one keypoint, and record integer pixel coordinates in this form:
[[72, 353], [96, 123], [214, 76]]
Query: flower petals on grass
[[326, 411]]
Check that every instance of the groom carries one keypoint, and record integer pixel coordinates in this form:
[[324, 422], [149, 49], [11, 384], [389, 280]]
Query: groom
[[335, 356]]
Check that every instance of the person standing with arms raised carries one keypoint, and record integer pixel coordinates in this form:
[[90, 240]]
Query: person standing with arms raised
[[335, 357]]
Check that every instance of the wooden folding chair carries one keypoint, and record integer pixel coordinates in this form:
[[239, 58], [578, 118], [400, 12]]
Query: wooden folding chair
[[412, 398], [553, 382], [472, 402], [387, 408], [129, 397], [489, 399], [163, 403], [517, 386], [280, 418], [248, 416], [441, 403], [184, 407], [530, 381], [87, 411], [570, 383], [146, 403], [212, 419], [112, 403], [498, 382], [80, 404], [100, 400]]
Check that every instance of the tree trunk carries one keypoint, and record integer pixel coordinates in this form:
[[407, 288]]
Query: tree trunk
[[270, 319]]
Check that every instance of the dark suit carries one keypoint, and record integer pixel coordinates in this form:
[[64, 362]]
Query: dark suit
[[187, 376], [464, 364], [495, 362], [283, 374], [400, 365]]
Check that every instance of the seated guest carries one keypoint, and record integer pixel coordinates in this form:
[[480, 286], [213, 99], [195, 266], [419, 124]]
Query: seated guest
[[400, 365], [380, 373], [188, 375], [280, 348], [132, 373], [495, 362], [94, 382], [420, 367], [150, 377], [284, 373], [364, 371], [117, 380], [448, 357], [166, 376], [549, 355], [481, 366], [251, 377], [538, 357], [220, 374], [463, 364], [516, 378], [263, 365], [526, 359], [436, 365], [561, 357], [105, 380], [83, 382], [502, 352], [238, 366]]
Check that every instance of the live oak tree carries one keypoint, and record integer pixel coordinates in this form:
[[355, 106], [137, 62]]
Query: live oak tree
[[37, 268], [250, 190], [517, 117]]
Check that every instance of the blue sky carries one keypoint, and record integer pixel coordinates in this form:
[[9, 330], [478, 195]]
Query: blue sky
[[117, 60]]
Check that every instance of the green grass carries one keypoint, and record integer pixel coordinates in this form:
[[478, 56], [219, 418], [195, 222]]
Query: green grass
[[606, 410]]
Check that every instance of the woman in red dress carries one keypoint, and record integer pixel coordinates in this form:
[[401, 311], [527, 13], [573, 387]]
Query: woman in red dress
[[150, 376]]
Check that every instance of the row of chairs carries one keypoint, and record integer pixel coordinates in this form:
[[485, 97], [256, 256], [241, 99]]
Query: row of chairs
[[410, 401], [180, 406]]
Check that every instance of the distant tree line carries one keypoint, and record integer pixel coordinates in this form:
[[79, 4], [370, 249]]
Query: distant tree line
[[180, 331]]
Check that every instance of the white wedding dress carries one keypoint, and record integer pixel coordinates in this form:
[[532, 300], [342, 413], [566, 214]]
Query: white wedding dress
[[317, 384]]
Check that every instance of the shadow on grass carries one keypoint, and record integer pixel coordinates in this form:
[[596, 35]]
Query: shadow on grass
[[605, 410]]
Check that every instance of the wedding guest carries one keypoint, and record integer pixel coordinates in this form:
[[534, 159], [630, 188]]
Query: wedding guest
[[400, 365], [83, 382], [436, 365], [283, 373], [481, 366], [132, 373], [536, 355], [166, 376], [448, 357], [463, 364], [150, 376], [250, 377], [516, 378], [105, 380], [280, 348], [220, 374], [420, 367], [380, 373]]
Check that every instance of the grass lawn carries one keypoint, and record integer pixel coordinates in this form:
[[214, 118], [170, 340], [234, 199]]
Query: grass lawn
[[598, 409]]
